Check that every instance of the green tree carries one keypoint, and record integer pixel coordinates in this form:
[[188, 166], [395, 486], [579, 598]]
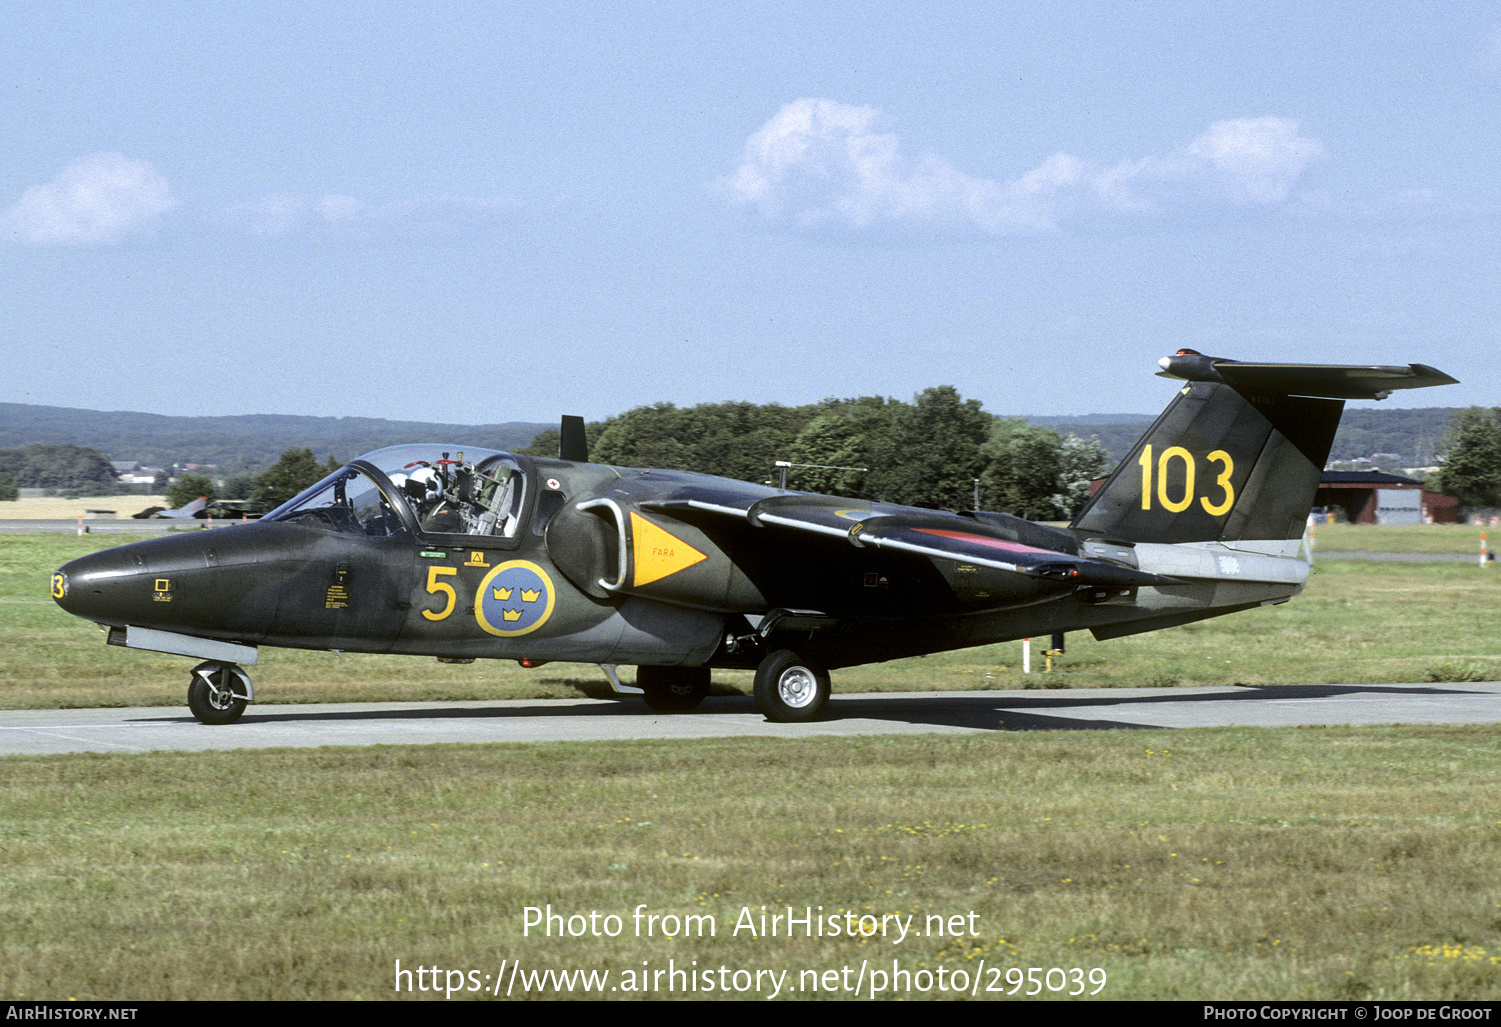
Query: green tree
[[188, 488], [741, 440], [829, 442], [59, 467], [1471, 471], [1023, 467], [1080, 462], [644, 437], [844, 433], [239, 486], [295, 471], [544, 443], [930, 456], [9, 493], [735, 440]]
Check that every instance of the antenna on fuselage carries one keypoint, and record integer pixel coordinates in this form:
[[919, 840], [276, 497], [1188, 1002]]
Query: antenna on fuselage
[[573, 443]]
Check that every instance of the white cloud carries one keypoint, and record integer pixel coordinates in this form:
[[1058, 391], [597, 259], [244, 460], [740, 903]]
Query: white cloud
[[274, 214], [101, 199], [821, 161], [106, 198], [284, 214], [1244, 161]]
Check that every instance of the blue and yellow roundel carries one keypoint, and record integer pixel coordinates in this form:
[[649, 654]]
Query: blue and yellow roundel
[[514, 599]]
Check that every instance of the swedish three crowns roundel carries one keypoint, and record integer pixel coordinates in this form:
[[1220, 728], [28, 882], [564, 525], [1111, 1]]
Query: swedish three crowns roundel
[[514, 598]]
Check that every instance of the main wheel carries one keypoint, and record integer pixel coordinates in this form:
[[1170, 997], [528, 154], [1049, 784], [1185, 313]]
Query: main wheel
[[673, 689], [790, 689], [211, 693]]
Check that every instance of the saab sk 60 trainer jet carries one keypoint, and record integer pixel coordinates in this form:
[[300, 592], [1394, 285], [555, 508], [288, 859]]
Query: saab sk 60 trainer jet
[[463, 554]]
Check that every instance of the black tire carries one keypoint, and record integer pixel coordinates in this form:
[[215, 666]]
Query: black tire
[[790, 689], [673, 689], [215, 705]]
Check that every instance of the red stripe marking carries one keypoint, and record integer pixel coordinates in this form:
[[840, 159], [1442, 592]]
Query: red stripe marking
[[992, 543]]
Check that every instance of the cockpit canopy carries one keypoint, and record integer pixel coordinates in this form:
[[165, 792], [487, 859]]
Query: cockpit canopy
[[430, 489]]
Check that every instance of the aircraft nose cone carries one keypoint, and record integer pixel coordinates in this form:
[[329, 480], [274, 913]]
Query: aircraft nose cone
[[199, 582], [93, 586]]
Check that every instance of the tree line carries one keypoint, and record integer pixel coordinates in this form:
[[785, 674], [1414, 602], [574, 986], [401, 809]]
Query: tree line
[[40, 466], [295, 471], [930, 452], [939, 451]]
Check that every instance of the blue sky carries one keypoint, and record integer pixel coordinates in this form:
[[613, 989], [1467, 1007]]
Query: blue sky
[[476, 212]]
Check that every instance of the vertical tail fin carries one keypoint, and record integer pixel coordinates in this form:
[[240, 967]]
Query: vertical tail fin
[[1238, 453]]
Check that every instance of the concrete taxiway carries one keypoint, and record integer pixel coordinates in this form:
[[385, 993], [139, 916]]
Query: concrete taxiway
[[582, 720], [122, 526]]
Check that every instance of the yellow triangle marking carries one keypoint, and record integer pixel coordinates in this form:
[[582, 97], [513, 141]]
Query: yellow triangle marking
[[658, 553]]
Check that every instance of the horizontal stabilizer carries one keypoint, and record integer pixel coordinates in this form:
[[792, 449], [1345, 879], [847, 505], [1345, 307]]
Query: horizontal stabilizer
[[1326, 381]]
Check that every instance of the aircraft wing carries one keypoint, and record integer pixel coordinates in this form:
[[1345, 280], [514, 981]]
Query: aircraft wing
[[930, 533]]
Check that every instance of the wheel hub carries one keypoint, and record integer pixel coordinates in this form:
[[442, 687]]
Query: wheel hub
[[797, 687]]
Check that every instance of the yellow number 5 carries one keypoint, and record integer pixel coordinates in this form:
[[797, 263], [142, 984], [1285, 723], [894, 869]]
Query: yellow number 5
[[435, 586]]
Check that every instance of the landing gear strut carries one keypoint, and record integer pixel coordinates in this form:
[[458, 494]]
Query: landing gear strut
[[673, 689], [790, 689], [218, 692]]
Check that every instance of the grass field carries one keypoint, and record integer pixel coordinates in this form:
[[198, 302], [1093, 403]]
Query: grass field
[[1232, 864], [1216, 863], [1417, 538]]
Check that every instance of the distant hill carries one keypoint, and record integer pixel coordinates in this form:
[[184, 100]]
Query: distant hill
[[1117, 432], [1414, 434], [234, 444], [1068, 422]]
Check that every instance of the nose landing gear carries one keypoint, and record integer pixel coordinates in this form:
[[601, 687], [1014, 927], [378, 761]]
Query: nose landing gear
[[218, 692]]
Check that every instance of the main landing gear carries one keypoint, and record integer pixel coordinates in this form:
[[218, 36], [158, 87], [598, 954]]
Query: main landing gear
[[218, 692], [789, 689], [673, 689]]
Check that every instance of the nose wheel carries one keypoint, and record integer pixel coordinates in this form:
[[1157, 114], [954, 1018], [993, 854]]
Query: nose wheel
[[218, 692]]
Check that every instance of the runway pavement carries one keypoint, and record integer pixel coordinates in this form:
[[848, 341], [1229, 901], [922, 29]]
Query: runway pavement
[[583, 720], [116, 526]]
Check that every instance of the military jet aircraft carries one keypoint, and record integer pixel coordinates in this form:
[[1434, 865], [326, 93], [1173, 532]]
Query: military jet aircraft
[[463, 553], [193, 509]]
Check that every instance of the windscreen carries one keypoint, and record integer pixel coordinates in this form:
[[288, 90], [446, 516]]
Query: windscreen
[[348, 500], [449, 490]]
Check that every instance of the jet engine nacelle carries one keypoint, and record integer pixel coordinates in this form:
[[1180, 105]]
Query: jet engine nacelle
[[609, 547]]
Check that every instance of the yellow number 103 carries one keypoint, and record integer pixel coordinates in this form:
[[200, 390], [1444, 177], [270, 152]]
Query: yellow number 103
[[1181, 503]]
